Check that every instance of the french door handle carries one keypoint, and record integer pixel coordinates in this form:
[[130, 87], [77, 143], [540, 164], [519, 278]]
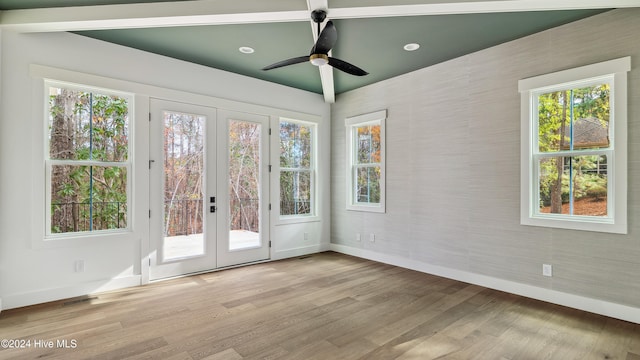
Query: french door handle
[[212, 209]]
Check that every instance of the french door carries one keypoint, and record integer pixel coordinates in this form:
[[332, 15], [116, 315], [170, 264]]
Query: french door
[[183, 183], [209, 188], [243, 228]]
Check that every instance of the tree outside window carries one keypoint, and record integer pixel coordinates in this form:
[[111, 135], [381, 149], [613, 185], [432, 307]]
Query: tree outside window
[[88, 160], [244, 175], [574, 148], [296, 168], [367, 167], [366, 162], [573, 122]]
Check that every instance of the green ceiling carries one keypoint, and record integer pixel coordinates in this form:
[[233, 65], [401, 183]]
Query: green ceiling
[[374, 44], [36, 4]]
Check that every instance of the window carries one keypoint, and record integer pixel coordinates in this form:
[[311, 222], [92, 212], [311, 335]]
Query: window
[[88, 163], [297, 168], [574, 148], [365, 162]]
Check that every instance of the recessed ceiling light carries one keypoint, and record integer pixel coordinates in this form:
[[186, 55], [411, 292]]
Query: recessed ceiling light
[[246, 50], [412, 47]]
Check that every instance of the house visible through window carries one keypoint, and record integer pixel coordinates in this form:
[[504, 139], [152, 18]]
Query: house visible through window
[[575, 170], [366, 171], [297, 168], [88, 165], [572, 122]]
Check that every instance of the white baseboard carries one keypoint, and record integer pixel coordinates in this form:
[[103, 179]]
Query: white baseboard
[[53, 294], [596, 306], [301, 251]]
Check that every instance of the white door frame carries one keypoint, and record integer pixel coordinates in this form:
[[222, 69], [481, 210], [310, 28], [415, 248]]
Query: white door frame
[[159, 267], [227, 257], [217, 230]]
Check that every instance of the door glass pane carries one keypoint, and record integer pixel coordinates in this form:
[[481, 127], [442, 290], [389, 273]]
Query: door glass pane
[[183, 179], [244, 185]]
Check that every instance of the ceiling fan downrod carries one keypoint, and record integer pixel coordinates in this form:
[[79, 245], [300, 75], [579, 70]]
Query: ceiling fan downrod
[[318, 17]]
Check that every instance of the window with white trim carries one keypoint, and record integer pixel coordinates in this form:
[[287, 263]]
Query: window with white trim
[[574, 151], [88, 160], [297, 168], [366, 162]]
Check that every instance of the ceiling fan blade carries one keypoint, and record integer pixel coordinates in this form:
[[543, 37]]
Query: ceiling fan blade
[[326, 40], [346, 67], [295, 60]]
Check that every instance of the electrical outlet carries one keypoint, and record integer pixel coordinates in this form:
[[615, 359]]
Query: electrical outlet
[[306, 236], [547, 270], [79, 266], [358, 237], [372, 237]]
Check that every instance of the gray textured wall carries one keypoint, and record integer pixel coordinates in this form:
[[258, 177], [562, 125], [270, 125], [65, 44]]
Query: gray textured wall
[[453, 166]]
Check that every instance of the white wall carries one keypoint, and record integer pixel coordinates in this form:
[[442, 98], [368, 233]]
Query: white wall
[[453, 173], [30, 273]]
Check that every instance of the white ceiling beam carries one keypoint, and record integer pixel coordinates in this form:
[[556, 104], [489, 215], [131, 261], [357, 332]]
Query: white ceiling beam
[[145, 15], [328, 89], [220, 12], [326, 71], [57, 24], [475, 7]]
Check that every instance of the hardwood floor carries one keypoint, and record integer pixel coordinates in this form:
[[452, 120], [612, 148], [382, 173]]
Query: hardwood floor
[[325, 306]]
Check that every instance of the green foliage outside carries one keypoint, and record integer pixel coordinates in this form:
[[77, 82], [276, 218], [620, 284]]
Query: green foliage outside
[[93, 130], [183, 173], [295, 168], [368, 169], [244, 175], [567, 178]]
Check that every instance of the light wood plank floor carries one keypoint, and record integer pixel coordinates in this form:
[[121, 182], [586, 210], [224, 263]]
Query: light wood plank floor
[[326, 306]]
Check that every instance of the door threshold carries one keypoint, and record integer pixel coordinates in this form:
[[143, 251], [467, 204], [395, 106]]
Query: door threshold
[[211, 270]]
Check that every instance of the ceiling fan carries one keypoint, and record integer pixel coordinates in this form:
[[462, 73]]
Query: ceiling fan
[[320, 50]]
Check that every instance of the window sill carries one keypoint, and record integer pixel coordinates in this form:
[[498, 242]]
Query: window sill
[[367, 208], [300, 219], [81, 239], [595, 224]]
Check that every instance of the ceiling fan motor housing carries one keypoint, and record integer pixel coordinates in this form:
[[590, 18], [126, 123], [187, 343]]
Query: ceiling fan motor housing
[[319, 59], [318, 15]]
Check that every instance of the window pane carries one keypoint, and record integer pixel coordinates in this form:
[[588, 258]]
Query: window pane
[[368, 184], [295, 192], [183, 173], [581, 188], [85, 125], [88, 198], [295, 145], [368, 144], [244, 184], [574, 119]]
